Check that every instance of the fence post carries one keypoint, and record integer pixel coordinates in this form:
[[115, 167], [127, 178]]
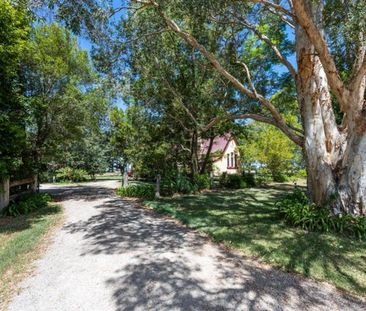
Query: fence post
[[4, 193], [157, 190]]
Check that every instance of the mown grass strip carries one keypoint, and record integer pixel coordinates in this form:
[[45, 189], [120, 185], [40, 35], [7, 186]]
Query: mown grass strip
[[22, 239], [247, 220]]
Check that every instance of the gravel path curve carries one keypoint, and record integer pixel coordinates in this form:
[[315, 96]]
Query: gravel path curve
[[110, 255]]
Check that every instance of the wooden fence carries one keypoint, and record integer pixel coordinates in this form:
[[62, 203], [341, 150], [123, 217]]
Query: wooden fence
[[23, 185]]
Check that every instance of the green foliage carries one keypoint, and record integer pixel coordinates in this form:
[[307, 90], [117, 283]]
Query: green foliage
[[89, 153], [202, 181], [280, 177], [27, 203], [249, 179], [267, 146], [60, 94], [71, 174], [300, 174], [232, 181], [263, 178], [299, 212], [143, 191], [176, 182], [14, 31]]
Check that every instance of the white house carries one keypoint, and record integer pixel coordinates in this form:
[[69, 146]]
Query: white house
[[224, 154]]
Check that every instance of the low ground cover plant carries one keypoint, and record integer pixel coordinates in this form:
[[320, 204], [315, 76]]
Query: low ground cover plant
[[27, 204], [143, 191], [297, 211]]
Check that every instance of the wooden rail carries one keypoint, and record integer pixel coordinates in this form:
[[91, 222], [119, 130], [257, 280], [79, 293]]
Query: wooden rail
[[5, 186], [21, 182]]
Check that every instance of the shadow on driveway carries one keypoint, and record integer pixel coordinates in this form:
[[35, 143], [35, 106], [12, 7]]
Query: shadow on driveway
[[163, 266], [79, 192]]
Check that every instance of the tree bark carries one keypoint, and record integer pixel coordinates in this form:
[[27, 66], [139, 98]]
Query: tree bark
[[335, 156]]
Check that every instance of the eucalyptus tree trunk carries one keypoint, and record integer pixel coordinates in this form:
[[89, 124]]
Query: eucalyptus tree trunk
[[335, 154]]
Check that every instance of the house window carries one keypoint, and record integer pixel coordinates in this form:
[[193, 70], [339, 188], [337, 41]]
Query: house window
[[236, 160], [228, 160], [232, 159]]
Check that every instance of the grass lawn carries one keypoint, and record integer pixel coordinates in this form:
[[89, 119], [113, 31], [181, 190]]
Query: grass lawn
[[248, 221], [21, 241]]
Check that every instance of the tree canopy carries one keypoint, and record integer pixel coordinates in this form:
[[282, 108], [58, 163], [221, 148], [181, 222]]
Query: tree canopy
[[14, 31]]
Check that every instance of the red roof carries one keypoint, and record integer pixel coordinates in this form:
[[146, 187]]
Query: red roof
[[219, 143]]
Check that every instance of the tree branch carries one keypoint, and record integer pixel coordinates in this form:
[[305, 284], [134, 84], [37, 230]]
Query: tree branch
[[179, 98], [148, 34], [359, 70], [276, 6], [283, 17], [249, 77], [188, 38], [315, 36], [267, 40], [255, 117]]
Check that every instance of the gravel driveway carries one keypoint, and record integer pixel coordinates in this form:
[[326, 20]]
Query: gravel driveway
[[110, 255]]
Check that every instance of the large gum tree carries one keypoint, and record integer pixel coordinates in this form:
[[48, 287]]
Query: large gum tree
[[329, 45]]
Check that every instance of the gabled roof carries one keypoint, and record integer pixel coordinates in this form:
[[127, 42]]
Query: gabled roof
[[220, 143]]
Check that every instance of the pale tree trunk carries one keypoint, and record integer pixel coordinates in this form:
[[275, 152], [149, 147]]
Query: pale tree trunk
[[352, 183], [314, 99], [335, 156]]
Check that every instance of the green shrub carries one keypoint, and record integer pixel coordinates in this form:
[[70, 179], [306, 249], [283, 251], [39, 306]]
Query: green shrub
[[26, 204], [184, 184], [223, 180], [299, 212], [176, 182], [232, 181], [146, 192], [71, 174], [167, 186], [249, 179], [301, 173], [202, 181], [262, 179], [280, 177]]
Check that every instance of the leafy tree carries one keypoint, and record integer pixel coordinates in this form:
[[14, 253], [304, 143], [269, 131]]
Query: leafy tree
[[135, 138], [121, 135], [333, 151], [177, 88], [58, 92], [14, 30], [267, 146]]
